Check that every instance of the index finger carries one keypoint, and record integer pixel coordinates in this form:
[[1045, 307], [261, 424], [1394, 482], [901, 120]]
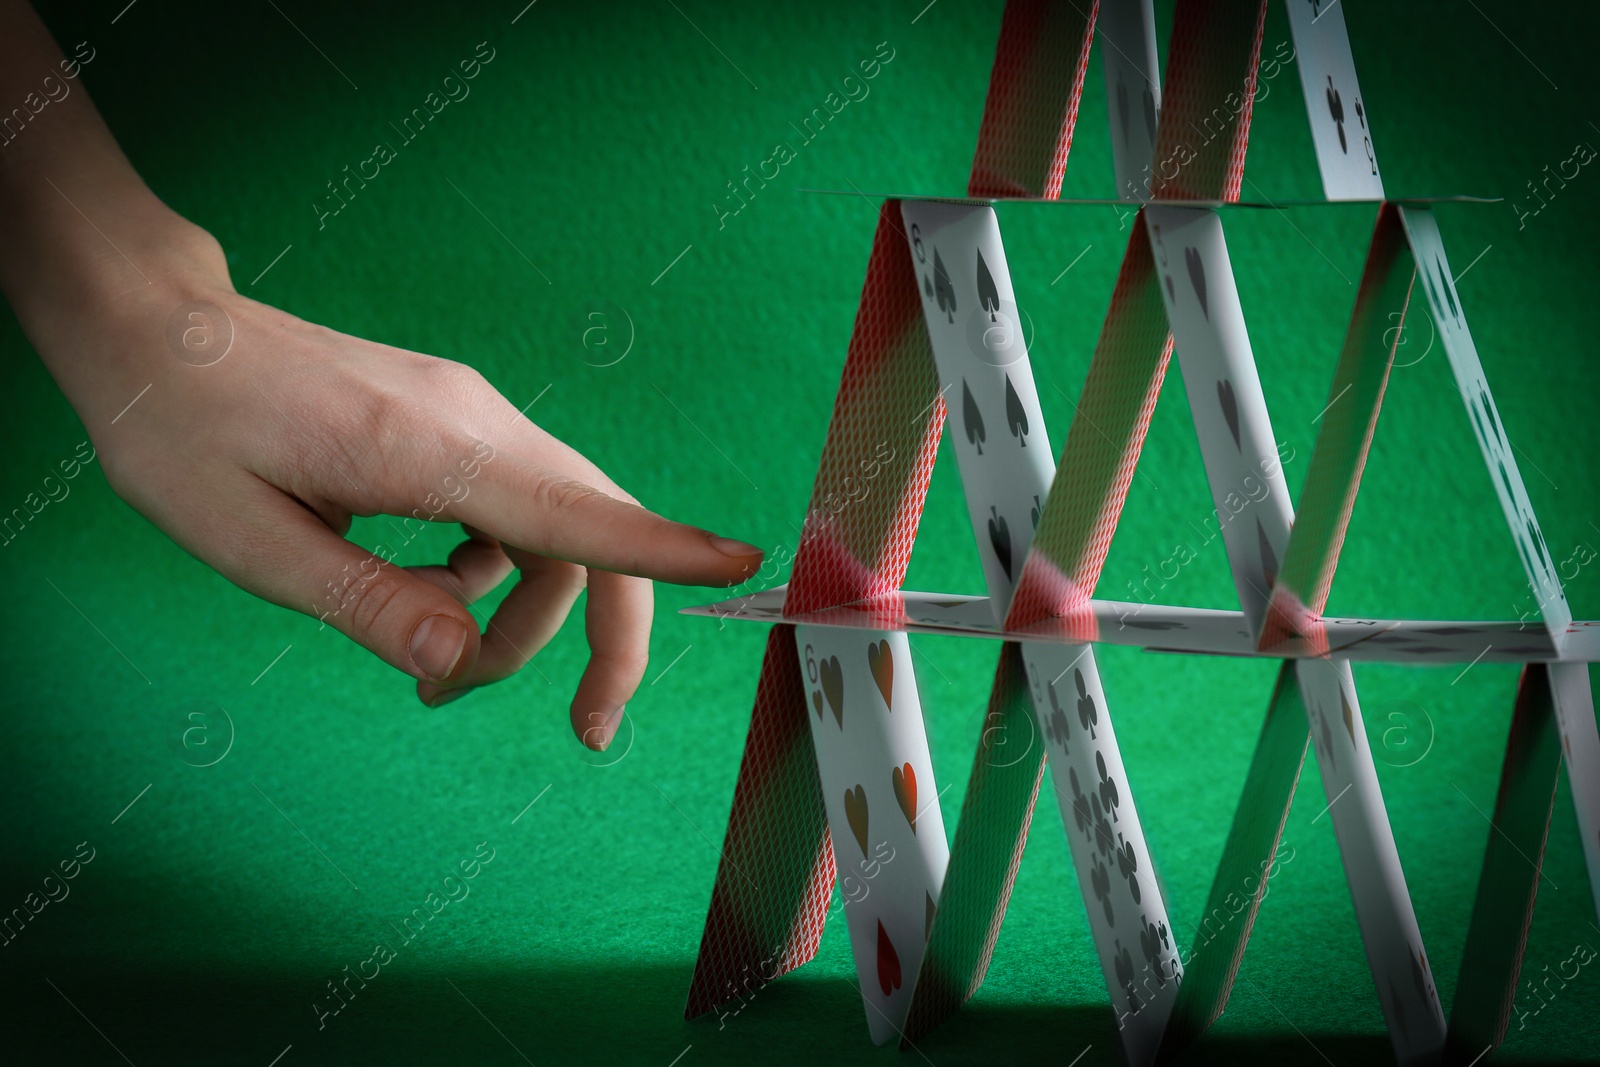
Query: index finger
[[562, 514]]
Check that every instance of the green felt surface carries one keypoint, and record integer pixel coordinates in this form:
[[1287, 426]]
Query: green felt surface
[[593, 148]]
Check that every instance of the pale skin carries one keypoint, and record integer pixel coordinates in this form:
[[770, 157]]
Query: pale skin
[[256, 464]]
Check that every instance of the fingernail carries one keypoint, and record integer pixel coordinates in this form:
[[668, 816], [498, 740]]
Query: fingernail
[[445, 696], [599, 737], [436, 646], [729, 547]]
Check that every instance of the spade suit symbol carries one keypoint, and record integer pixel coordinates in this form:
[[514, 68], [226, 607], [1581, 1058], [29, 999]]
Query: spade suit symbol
[[973, 418], [1016, 417], [943, 291], [1000, 538], [1197, 278], [1230, 409], [1033, 513], [1057, 727], [988, 295], [1150, 114]]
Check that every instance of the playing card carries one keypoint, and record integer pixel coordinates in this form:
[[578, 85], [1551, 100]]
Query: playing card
[[1344, 434], [1389, 930], [881, 444], [1127, 916], [1207, 98], [1433, 271], [1006, 471], [1110, 420], [1252, 507], [1251, 498], [883, 807], [976, 332], [1580, 742], [1513, 858], [1133, 90], [771, 895], [1034, 88], [990, 835], [1241, 882], [855, 544], [1339, 126]]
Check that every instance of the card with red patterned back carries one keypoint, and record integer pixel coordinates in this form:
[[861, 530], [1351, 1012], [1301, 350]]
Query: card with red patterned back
[[1034, 88], [1206, 100]]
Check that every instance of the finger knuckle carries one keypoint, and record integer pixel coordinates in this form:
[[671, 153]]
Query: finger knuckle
[[370, 597], [559, 493]]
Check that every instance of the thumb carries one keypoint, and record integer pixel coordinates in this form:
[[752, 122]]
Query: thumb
[[405, 621]]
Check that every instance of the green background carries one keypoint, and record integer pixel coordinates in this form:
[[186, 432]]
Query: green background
[[595, 143]]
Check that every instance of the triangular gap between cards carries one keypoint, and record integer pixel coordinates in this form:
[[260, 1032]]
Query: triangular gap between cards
[[1438, 285], [1344, 438]]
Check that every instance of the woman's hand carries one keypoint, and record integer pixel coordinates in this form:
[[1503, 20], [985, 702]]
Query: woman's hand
[[251, 437]]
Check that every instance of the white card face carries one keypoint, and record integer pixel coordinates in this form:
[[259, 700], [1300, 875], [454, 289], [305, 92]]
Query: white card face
[[1433, 271], [1383, 908], [1250, 497], [1127, 31], [1127, 915], [888, 834], [1339, 122], [995, 425], [1580, 751]]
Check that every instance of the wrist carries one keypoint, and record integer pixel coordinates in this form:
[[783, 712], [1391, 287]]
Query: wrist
[[104, 288]]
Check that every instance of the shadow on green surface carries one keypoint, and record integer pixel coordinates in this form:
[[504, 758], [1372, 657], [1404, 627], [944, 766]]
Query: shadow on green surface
[[552, 1015]]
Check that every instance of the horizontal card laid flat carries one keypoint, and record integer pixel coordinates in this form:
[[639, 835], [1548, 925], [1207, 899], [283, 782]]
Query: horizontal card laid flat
[[1171, 628]]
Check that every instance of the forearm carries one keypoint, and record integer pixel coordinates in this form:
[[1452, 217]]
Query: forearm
[[86, 243]]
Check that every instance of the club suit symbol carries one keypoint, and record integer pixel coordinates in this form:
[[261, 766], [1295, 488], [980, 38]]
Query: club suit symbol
[[1057, 726], [1124, 966], [1336, 109], [1128, 866], [1081, 816], [1088, 714], [1109, 796], [1100, 880], [1152, 941]]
